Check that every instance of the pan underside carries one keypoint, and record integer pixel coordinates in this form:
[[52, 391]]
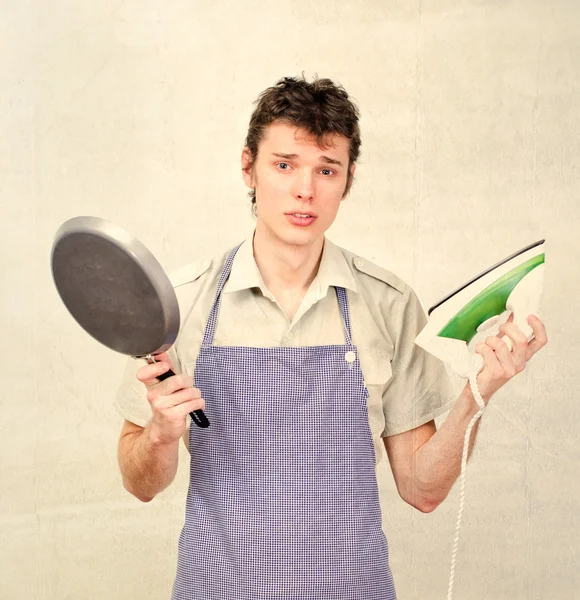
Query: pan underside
[[109, 294]]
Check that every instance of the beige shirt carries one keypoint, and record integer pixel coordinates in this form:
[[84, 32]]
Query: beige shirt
[[407, 386]]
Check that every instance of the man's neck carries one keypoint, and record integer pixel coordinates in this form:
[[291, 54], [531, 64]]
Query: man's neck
[[283, 267]]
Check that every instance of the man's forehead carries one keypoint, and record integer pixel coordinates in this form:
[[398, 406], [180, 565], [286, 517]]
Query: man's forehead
[[284, 132]]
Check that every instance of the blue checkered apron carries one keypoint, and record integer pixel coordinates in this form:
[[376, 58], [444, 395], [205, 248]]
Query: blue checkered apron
[[283, 500]]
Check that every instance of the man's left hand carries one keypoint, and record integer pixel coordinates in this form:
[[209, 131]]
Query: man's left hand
[[501, 365]]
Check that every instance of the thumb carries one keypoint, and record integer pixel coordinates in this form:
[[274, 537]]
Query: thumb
[[510, 319], [164, 358]]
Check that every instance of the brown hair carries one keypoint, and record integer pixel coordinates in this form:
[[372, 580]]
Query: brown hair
[[321, 108]]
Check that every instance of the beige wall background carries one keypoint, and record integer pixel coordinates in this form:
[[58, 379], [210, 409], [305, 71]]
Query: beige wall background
[[137, 112]]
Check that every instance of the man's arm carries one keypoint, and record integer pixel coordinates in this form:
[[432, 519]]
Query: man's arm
[[147, 468], [148, 456], [426, 462]]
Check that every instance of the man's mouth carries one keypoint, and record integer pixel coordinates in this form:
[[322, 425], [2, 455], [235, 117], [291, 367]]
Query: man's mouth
[[302, 215], [300, 218]]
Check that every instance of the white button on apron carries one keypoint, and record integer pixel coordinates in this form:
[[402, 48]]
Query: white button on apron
[[350, 357]]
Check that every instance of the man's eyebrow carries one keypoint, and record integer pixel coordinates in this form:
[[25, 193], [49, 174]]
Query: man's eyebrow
[[325, 159]]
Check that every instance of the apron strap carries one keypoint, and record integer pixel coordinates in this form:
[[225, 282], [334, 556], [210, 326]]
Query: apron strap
[[213, 315], [211, 325], [345, 313]]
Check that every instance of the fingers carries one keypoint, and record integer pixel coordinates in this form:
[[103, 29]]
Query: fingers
[[172, 399], [505, 362], [501, 364], [170, 409], [168, 386], [540, 338], [189, 396], [164, 357], [524, 349], [517, 353], [149, 373], [504, 365], [491, 351], [170, 392]]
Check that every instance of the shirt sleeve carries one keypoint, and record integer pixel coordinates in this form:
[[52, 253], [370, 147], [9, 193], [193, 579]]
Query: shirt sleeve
[[419, 389]]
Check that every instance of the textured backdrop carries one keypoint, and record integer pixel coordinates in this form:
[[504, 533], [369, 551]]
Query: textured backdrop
[[137, 112]]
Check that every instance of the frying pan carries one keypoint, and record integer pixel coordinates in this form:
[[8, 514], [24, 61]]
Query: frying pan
[[116, 290]]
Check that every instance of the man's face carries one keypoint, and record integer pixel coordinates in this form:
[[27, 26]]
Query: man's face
[[299, 186]]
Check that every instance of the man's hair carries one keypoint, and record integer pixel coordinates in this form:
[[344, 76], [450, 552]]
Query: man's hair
[[321, 108]]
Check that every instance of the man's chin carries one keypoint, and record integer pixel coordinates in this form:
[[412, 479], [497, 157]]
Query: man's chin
[[297, 236]]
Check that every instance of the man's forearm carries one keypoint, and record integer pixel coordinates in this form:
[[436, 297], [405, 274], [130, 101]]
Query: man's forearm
[[147, 468], [437, 463]]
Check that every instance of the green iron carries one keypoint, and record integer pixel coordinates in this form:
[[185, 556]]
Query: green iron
[[476, 310]]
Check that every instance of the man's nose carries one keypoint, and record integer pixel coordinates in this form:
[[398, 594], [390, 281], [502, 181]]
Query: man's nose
[[304, 186]]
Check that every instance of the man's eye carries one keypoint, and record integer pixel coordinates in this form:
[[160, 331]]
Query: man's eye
[[283, 164]]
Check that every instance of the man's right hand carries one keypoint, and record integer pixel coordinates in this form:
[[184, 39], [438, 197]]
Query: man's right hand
[[171, 400]]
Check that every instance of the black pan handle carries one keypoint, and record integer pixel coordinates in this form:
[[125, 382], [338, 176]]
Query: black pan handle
[[198, 416]]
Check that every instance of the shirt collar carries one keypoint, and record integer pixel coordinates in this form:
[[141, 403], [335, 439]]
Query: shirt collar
[[245, 273], [333, 270]]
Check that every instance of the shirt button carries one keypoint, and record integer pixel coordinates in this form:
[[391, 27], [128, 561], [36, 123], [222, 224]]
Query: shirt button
[[290, 335]]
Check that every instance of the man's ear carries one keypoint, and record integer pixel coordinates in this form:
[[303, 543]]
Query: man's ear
[[247, 167]]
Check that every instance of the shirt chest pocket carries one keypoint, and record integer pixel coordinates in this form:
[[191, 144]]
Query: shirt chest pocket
[[376, 366], [377, 371]]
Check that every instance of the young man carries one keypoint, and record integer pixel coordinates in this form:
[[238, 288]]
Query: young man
[[301, 355]]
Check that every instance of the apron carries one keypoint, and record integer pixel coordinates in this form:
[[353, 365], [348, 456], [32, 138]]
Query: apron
[[283, 500]]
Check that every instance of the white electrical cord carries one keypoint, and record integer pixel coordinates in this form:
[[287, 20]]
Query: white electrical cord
[[481, 404]]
